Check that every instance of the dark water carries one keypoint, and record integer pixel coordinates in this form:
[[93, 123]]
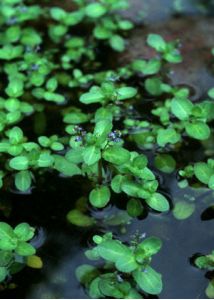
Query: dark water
[[62, 246]]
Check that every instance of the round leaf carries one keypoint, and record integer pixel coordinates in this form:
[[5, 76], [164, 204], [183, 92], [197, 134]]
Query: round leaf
[[8, 240], [117, 43], [150, 246], [19, 163], [95, 10], [198, 130], [34, 262], [149, 280], [24, 232], [203, 172], [99, 197], [157, 42], [165, 163], [23, 180], [158, 202], [134, 208], [25, 249], [92, 97], [112, 250], [116, 155], [91, 155], [183, 210], [126, 93], [77, 218], [65, 167], [181, 108]]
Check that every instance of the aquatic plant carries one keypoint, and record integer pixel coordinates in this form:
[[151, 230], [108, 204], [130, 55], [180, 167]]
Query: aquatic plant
[[126, 272], [14, 248], [63, 112], [206, 262]]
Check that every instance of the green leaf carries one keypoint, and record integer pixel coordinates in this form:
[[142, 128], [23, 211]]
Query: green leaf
[[100, 196], [203, 172], [205, 262], [125, 25], [109, 286], [19, 163], [181, 108], [143, 173], [157, 42], [116, 183], [211, 182], [30, 37], [58, 13], [140, 162], [49, 96], [92, 97], [153, 86], [126, 263], [15, 88], [86, 273], [173, 56], [152, 67], [210, 290], [116, 155], [133, 294], [77, 218], [13, 33], [75, 118], [102, 33], [8, 240], [165, 163], [134, 208], [131, 188], [23, 180], [150, 246], [46, 157], [25, 249], [117, 43], [211, 93], [91, 155], [149, 280], [103, 128], [75, 155], [9, 52], [158, 202], [15, 135], [126, 93], [95, 10], [65, 167], [94, 291], [103, 113], [166, 136], [45, 160], [198, 130], [24, 232], [183, 210], [112, 250]]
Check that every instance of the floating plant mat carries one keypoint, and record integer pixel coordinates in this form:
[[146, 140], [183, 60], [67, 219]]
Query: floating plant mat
[[106, 149]]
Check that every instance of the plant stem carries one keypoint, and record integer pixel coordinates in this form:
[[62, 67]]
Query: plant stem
[[100, 167]]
